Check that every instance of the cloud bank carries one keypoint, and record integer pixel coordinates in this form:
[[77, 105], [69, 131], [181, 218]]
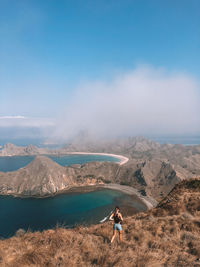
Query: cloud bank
[[18, 127], [21, 121], [145, 101]]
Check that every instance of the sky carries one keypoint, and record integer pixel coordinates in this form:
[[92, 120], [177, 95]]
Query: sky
[[111, 67]]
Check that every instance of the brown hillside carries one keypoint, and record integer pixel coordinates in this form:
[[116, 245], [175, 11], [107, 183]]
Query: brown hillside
[[41, 177], [168, 235]]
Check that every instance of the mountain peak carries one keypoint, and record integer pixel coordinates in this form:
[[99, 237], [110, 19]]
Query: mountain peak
[[43, 161]]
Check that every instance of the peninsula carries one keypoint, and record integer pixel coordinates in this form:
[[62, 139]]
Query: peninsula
[[150, 168]]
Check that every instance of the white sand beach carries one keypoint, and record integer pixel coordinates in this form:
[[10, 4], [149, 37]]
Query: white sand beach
[[122, 159]]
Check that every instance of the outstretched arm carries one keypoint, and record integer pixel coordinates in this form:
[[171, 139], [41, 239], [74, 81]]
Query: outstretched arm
[[111, 217]]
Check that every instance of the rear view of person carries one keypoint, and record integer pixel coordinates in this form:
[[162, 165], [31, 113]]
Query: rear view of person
[[117, 218]]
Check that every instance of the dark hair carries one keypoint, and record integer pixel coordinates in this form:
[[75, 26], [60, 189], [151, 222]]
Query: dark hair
[[116, 208]]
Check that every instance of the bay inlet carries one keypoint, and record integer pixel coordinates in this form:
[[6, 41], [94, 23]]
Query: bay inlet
[[67, 209], [13, 163]]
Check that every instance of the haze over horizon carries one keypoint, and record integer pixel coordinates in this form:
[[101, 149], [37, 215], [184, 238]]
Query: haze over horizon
[[110, 68]]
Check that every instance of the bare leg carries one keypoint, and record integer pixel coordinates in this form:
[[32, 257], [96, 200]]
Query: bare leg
[[120, 235], [113, 237]]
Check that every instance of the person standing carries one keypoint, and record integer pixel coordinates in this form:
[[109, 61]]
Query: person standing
[[117, 226]]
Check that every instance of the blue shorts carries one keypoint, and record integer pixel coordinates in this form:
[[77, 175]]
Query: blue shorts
[[117, 226]]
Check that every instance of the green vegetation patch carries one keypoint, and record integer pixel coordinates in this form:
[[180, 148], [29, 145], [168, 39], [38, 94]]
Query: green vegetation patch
[[89, 176], [125, 183], [194, 184], [107, 181]]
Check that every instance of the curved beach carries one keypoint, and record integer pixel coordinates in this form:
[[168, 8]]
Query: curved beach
[[122, 159], [149, 201]]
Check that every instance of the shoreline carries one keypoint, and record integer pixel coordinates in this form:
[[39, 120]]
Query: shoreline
[[147, 200], [122, 159], [129, 206]]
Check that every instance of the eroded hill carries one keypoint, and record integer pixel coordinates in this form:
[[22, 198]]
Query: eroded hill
[[168, 235]]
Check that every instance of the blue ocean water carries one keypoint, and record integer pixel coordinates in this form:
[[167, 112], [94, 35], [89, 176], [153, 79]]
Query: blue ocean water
[[68, 160], [16, 162], [66, 209]]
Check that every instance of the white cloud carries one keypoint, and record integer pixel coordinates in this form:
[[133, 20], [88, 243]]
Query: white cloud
[[23, 122], [143, 101], [12, 117]]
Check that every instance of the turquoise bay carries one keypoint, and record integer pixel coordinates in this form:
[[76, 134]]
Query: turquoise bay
[[66, 209], [16, 162]]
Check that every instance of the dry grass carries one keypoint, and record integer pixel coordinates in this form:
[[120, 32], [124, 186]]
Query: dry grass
[[165, 236]]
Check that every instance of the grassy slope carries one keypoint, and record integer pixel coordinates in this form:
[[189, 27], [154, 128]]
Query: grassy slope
[[168, 235]]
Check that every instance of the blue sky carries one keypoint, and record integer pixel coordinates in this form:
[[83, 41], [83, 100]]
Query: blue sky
[[48, 49]]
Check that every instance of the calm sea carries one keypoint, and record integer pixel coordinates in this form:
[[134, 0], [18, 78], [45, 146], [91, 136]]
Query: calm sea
[[67, 209], [16, 162]]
